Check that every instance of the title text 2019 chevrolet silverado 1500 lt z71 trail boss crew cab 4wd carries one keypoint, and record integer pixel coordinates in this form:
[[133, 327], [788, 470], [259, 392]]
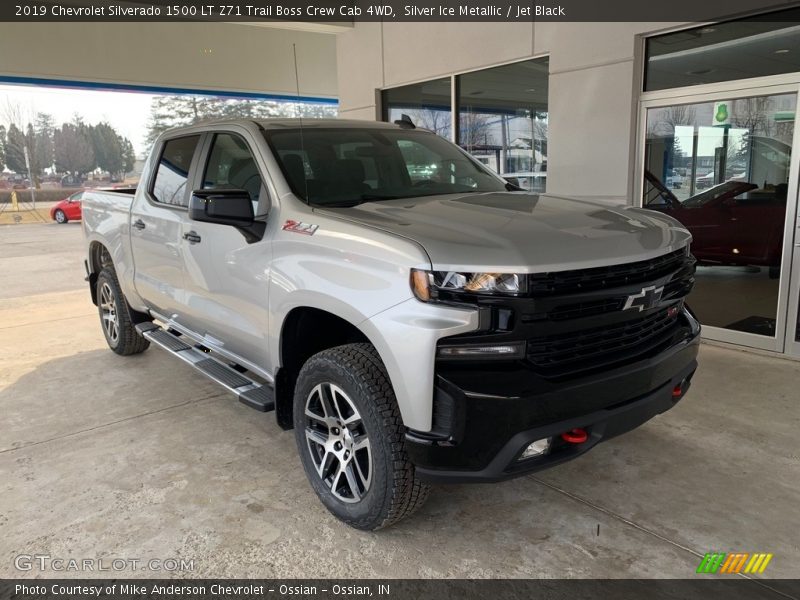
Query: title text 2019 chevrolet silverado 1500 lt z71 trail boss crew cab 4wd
[[413, 317]]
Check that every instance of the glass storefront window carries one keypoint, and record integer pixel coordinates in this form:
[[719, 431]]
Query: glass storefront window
[[427, 104], [722, 169], [757, 46], [502, 120], [502, 116]]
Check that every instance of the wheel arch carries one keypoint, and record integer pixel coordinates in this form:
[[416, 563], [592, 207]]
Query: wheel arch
[[99, 258], [305, 331]]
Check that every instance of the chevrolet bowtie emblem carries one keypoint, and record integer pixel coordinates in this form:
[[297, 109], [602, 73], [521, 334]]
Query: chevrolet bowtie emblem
[[647, 298]]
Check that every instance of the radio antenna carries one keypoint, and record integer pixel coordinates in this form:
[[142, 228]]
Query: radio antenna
[[300, 117]]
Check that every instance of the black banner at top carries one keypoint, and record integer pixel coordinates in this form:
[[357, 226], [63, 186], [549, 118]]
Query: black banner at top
[[347, 12]]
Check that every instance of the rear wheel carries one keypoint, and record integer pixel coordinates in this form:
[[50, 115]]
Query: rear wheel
[[350, 437], [118, 329], [60, 216]]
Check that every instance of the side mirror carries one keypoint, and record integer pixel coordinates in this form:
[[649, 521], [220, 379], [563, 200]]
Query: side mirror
[[227, 207], [223, 206]]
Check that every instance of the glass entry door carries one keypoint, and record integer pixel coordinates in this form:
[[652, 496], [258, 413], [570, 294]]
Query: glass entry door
[[723, 167], [793, 323]]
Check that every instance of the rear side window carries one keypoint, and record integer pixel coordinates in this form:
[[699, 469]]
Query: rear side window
[[169, 185]]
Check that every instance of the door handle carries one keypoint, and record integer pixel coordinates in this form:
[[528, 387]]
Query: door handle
[[192, 237], [139, 224]]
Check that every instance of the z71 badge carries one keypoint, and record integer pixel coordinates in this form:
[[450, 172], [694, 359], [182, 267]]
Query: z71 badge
[[300, 227]]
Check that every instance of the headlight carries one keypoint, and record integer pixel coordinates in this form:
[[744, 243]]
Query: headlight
[[427, 284]]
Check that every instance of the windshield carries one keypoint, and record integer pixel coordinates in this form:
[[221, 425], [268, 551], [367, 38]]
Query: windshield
[[345, 167]]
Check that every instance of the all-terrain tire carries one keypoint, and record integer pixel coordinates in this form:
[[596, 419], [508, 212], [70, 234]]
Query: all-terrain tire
[[122, 338], [358, 373]]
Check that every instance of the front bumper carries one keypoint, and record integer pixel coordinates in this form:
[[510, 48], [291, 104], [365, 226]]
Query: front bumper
[[486, 433]]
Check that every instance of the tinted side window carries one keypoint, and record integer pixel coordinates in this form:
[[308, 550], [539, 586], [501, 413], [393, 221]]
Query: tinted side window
[[231, 166], [169, 185]]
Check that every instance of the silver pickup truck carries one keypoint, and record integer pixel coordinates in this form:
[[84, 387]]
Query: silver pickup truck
[[411, 315]]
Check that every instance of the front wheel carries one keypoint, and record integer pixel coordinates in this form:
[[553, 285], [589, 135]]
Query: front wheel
[[350, 437], [60, 216]]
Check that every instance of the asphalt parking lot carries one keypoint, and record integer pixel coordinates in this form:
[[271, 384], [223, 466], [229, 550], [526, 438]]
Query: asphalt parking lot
[[140, 458]]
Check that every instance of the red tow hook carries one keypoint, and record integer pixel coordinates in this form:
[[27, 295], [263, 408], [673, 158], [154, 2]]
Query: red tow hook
[[575, 436]]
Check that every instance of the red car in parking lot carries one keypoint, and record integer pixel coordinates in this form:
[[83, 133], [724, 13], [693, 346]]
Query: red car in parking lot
[[69, 209], [733, 223]]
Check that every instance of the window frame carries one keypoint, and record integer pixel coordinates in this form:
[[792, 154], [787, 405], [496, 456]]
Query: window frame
[[190, 179], [207, 150]]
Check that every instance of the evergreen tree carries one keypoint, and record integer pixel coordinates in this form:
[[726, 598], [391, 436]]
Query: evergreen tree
[[43, 129], [128, 156], [107, 146], [15, 150], [33, 165], [74, 153], [2, 147], [167, 112]]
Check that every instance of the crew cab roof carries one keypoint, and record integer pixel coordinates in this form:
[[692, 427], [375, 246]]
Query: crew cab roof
[[277, 124], [323, 123]]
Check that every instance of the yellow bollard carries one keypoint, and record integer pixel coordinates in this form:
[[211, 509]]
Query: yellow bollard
[[14, 203]]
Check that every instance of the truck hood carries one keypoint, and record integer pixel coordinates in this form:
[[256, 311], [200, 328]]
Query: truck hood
[[522, 232]]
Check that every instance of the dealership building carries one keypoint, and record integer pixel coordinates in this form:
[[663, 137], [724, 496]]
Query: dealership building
[[619, 111]]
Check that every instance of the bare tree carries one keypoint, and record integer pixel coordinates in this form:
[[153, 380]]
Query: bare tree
[[437, 121], [753, 114], [669, 118], [474, 129], [19, 118]]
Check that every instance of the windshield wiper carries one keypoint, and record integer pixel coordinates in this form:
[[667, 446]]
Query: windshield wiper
[[370, 197]]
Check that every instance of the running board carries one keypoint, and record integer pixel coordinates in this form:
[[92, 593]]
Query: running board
[[250, 393]]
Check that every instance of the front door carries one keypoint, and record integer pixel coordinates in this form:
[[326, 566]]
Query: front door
[[227, 278]]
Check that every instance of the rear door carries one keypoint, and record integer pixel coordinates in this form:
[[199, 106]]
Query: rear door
[[156, 223], [227, 278]]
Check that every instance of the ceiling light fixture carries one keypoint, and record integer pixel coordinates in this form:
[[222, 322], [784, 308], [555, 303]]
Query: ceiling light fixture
[[782, 51]]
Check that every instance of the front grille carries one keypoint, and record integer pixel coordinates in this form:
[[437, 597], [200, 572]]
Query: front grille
[[570, 354], [600, 278], [573, 322], [586, 309]]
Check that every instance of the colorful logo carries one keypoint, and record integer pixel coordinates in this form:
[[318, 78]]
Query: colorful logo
[[300, 227], [734, 562], [722, 113]]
